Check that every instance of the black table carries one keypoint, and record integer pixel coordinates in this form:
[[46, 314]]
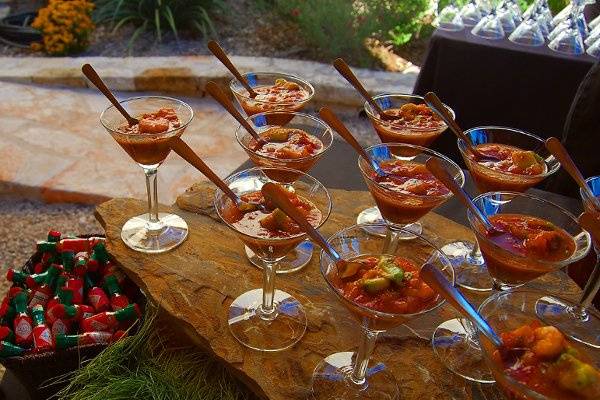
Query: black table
[[490, 82]]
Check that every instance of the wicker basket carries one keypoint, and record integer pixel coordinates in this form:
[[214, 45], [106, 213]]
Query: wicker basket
[[36, 371]]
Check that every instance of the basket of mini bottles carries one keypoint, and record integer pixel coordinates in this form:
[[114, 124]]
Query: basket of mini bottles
[[66, 305]]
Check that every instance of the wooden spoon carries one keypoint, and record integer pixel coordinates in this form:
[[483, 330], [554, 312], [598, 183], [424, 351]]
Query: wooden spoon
[[215, 91], [438, 107], [186, 152], [278, 196], [347, 73], [220, 54], [93, 76], [333, 121], [438, 282], [556, 148], [437, 169]]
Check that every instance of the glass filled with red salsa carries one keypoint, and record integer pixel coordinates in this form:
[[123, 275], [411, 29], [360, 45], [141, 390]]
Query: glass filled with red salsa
[[407, 190], [269, 319], [536, 360], [381, 290], [275, 92], [415, 122], [160, 119], [297, 144], [532, 237], [520, 159]]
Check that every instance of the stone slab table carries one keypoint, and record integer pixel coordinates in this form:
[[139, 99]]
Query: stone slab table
[[196, 283]]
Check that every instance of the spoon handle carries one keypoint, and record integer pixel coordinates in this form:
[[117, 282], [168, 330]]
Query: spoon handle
[[437, 169], [557, 149], [93, 76], [333, 121], [344, 70], [214, 48], [278, 196], [215, 91], [180, 147], [438, 282]]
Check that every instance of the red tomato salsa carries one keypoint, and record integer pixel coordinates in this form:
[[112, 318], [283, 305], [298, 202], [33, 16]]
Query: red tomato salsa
[[386, 284], [532, 237], [287, 144], [282, 92], [269, 223], [163, 120], [416, 116], [408, 177], [541, 358], [512, 159]]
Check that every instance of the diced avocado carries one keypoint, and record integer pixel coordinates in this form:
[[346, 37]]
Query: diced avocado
[[247, 207], [524, 159], [279, 134], [576, 375], [375, 285], [348, 269], [391, 270]]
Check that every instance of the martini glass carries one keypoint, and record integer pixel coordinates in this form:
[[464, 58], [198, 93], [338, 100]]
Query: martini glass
[[489, 27], [397, 132], [471, 13], [569, 40], [301, 255], [258, 80], [268, 319], [449, 18], [153, 232], [471, 272], [507, 311], [353, 375], [594, 49], [455, 341], [528, 33], [578, 320], [402, 209]]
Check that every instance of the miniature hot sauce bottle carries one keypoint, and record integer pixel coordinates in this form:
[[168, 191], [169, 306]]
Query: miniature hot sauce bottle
[[96, 297], [22, 323], [108, 321], [42, 337], [8, 349], [66, 341], [43, 292], [117, 300]]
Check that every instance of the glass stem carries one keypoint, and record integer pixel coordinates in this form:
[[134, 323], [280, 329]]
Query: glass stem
[[267, 308], [151, 188], [392, 237], [589, 291], [361, 363], [476, 252]]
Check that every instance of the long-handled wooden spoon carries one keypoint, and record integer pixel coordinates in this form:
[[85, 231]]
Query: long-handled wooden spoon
[[438, 282], [334, 122], [220, 54], [437, 169], [438, 107], [347, 73], [556, 148], [186, 152], [215, 91], [93, 76]]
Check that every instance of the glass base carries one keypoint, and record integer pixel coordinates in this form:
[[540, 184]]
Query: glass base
[[331, 380], [582, 326], [459, 352], [372, 215], [172, 231], [470, 269], [294, 261], [267, 332]]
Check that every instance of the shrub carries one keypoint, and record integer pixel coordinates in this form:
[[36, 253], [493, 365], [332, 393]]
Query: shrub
[[157, 15], [65, 26], [339, 28]]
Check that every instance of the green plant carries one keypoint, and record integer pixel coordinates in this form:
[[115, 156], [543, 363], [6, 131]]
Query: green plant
[[339, 28], [146, 366], [157, 15]]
